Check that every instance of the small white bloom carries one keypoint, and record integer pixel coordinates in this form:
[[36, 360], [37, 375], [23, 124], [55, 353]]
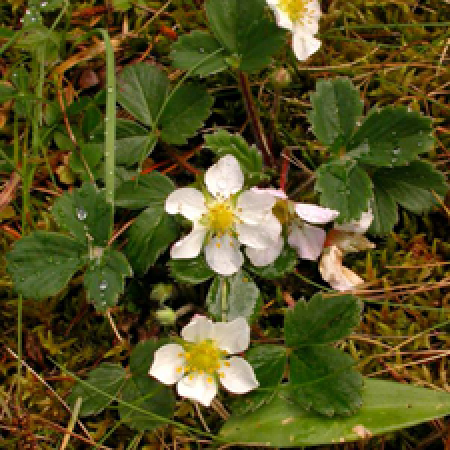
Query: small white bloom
[[306, 239], [200, 361], [225, 218], [301, 17], [344, 238]]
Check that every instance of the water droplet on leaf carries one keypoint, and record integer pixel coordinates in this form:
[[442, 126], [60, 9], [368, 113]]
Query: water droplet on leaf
[[81, 214], [103, 285]]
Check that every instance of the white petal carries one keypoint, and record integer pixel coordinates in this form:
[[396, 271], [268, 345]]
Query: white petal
[[222, 254], [349, 242], [190, 245], [198, 389], [304, 45], [233, 337], [307, 240], [261, 235], [166, 361], [315, 214], [198, 329], [188, 202], [266, 256], [333, 272], [239, 377], [253, 206], [277, 193], [357, 226], [225, 177]]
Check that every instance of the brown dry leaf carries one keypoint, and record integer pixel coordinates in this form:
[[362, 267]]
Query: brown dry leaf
[[9, 190]]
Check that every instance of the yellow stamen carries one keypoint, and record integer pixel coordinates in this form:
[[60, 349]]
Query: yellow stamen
[[220, 217], [179, 369], [227, 364], [209, 380], [295, 9]]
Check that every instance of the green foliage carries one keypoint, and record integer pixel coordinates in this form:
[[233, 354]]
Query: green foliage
[[191, 271], [224, 143], [141, 357], [284, 264], [387, 406], [84, 212], [321, 320], [336, 109], [268, 362], [104, 279], [108, 378], [322, 378], [42, 263], [345, 187]]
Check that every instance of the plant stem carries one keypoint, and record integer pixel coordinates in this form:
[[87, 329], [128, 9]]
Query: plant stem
[[253, 116], [19, 351], [223, 298]]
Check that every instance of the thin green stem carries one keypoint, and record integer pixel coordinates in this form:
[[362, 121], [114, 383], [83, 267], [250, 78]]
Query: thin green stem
[[224, 298], [19, 351], [60, 15]]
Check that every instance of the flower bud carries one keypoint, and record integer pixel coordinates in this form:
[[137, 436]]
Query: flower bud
[[161, 292], [166, 316], [281, 78]]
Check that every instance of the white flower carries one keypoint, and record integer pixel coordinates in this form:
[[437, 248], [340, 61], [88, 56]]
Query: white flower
[[224, 218], [306, 239], [302, 18], [201, 360], [345, 238]]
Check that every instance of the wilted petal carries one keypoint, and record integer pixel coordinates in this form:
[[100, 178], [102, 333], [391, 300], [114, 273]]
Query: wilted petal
[[234, 336], [254, 206], [349, 242], [357, 226], [198, 329], [190, 245], [225, 177], [188, 202], [315, 214], [261, 235], [168, 364], [198, 388], [266, 256], [335, 274], [238, 376], [222, 254], [307, 240]]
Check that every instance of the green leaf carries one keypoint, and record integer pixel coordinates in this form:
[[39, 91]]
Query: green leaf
[[268, 362], [133, 143], [284, 264], [192, 271], [108, 378], [336, 107], [384, 209], [105, 279], [42, 263], [149, 395], [321, 320], [393, 136], [411, 185], [141, 90], [92, 119], [192, 48], [151, 189], [387, 406], [345, 187], [141, 357], [7, 92], [122, 5], [149, 236], [322, 378], [224, 143], [243, 297], [185, 113], [84, 211], [92, 154]]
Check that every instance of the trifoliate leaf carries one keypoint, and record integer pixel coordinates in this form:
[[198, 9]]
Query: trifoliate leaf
[[321, 320], [108, 378], [345, 187], [84, 212], [104, 279], [322, 378], [42, 263], [336, 108], [192, 271], [190, 49], [393, 136], [384, 209], [151, 398]]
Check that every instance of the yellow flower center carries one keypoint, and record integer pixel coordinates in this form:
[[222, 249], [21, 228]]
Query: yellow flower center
[[203, 357], [220, 217], [295, 9]]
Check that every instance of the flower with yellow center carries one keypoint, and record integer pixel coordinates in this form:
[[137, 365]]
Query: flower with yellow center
[[302, 18], [200, 363], [223, 218]]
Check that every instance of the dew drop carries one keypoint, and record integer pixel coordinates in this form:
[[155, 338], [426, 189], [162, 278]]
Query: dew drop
[[201, 50], [91, 137], [27, 11], [419, 144], [106, 154], [394, 133], [81, 214], [110, 89], [103, 303], [106, 119], [394, 160], [396, 151], [103, 285], [44, 4], [106, 133]]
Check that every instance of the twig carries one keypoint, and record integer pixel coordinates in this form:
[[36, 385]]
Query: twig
[[113, 326], [73, 418], [202, 419], [217, 406]]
